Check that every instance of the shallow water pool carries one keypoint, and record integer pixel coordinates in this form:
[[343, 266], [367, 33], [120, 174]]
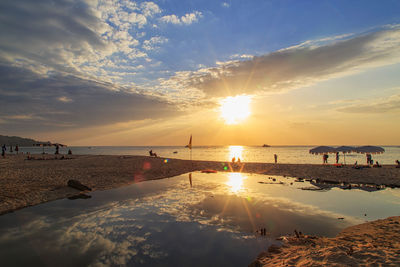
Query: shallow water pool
[[194, 219]]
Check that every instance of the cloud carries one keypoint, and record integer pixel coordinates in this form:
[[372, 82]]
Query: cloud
[[186, 19], [152, 43], [85, 38], [225, 4], [30, 102], [150, 8], [241, 56], [291, 68], [382, 105]]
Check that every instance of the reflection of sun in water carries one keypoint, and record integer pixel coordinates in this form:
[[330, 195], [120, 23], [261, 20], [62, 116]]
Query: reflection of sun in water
[[235, 151], [235, 181], [235, 109]]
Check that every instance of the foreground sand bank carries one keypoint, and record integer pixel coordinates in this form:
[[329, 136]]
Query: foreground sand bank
[[29, 182], [374, 243]]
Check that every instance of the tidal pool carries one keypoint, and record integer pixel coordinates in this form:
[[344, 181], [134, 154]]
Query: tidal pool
[[194, 219]]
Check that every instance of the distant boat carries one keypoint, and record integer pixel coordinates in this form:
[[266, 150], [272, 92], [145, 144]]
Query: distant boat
[[265, 145]]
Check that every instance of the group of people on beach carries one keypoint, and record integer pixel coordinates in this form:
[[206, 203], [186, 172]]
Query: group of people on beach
[[234, 160], [4, 149]]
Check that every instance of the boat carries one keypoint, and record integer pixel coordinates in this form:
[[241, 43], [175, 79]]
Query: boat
[[265, 145]]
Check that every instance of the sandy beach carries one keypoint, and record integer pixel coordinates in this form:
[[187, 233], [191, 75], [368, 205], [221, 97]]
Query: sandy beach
[[30, 182], [374, 243]]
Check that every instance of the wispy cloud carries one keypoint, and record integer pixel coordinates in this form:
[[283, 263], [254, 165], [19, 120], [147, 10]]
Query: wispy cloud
[[381, 105], [293, 67]]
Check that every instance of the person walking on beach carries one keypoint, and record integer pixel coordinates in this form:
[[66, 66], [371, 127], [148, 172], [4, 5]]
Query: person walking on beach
[[369, 158], [11, 149], [337, 157], [3, 151], [16, 149], [57, 149], [276, 158]]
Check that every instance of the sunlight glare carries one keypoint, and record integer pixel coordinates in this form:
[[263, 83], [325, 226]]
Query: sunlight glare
[[235, 181], [235, 109], [235, 151]]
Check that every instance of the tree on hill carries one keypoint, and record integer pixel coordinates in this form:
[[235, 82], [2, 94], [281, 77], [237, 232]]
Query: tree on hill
[[20, 141]]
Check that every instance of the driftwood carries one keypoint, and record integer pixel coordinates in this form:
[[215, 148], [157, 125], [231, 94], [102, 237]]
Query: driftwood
[[77, 185]]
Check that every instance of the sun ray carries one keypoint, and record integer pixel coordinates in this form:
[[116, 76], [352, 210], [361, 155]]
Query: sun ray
[[235, 109]]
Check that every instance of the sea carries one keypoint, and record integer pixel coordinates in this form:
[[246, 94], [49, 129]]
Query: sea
[[286, 154]]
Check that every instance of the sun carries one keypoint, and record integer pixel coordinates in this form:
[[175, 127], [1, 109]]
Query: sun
[[235, 109]]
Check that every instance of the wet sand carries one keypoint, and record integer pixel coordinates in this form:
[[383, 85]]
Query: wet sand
[[29, 182], [374, 243]]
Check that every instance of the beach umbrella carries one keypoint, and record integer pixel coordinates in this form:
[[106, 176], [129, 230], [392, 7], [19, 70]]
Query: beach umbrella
[[370, 149], [322, 150], [344, 150], [43, 145]]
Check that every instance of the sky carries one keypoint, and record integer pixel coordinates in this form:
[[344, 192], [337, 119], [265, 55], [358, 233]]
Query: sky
[[102, 72]]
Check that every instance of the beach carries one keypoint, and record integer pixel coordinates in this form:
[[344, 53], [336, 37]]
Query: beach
[[373, 243], [44, 178]]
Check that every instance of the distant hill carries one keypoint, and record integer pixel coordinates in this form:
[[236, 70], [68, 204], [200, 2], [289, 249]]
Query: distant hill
[[20, 141]]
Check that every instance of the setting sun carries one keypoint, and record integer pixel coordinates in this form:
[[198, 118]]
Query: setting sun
[[235, 109]]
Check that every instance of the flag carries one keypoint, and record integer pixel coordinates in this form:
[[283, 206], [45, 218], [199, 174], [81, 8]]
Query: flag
[[190, 143]]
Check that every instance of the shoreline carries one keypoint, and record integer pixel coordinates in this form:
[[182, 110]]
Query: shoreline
[[30, 182]]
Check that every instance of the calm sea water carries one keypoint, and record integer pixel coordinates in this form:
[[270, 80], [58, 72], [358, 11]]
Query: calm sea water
[[286, 154], [197, 220]]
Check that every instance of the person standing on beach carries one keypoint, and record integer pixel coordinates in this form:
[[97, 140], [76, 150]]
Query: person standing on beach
[[16, 149], [276, 158], [325, 158], [57, 149], [3, 151], [337, 157]]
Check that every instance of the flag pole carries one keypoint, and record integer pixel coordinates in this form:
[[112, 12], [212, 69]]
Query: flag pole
[[191, 162]]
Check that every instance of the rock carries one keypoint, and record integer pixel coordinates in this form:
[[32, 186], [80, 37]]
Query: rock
[[79, 196], [77, 185]]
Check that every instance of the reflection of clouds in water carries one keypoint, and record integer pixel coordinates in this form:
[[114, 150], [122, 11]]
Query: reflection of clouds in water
[[135, 231], [279, 217], [98, 238]]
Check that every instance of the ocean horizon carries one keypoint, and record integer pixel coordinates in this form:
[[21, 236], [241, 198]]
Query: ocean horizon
[[286, 154]]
